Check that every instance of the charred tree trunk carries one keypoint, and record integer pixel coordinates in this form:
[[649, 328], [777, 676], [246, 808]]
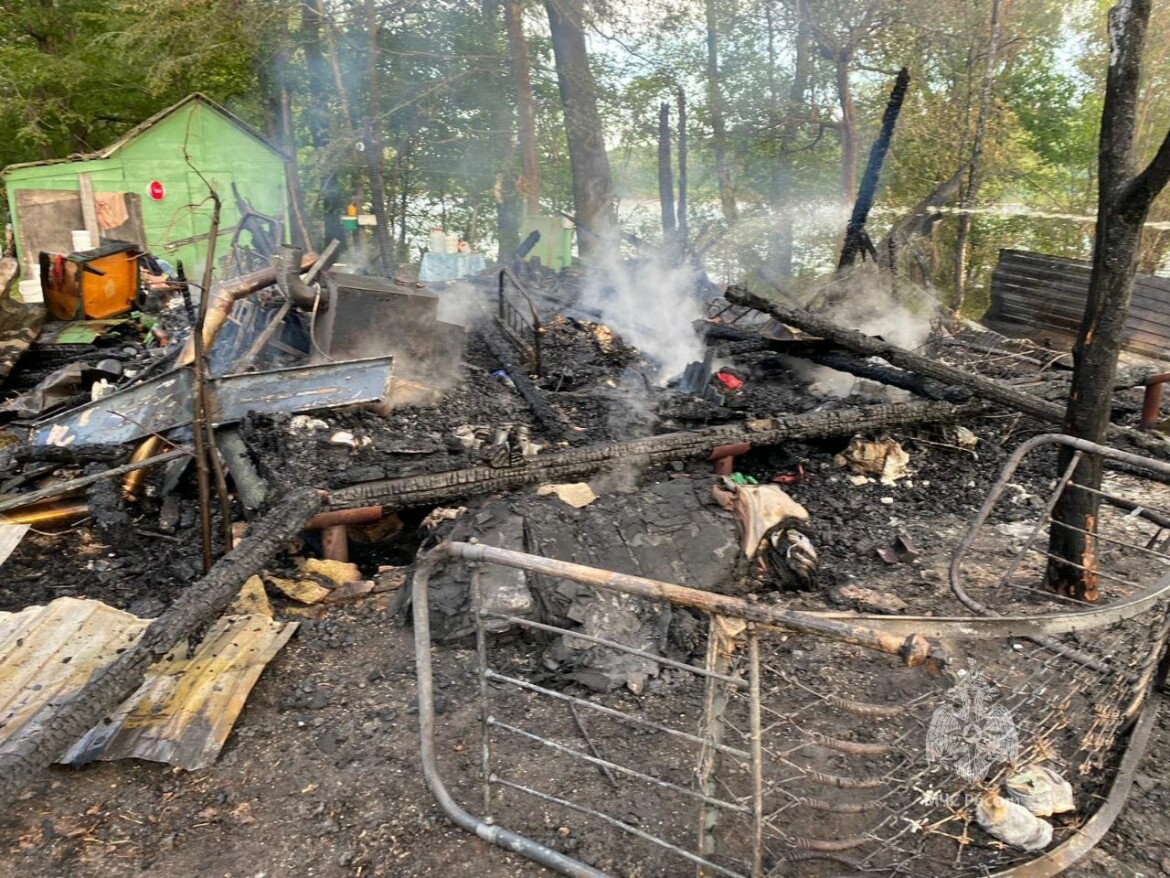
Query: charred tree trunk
[[972, 189], [665, 175], [856, 240], [682, 230], [1123, 203], [196, 606], [716, 107], [529, 183], [592, 184]]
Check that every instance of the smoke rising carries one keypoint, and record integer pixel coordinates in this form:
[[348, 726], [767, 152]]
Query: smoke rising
[[651, 303]]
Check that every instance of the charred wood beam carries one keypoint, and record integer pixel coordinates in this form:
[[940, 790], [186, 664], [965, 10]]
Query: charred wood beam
[[201, 602], [434, 488], [843, 361], [70, 454], [74, 484], [856, 240], [549, 418], [984, 388]]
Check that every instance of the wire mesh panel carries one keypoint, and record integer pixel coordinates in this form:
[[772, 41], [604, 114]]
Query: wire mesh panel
[[984, 739]]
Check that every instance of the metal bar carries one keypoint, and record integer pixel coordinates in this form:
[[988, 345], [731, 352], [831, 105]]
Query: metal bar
[[757, 742], [1152, 401], [485, 716], [1048, 507], [616, 714], [618, 824], [496, 835], [1112, 540], [614, 766], [593, 748], [31, 497], [630, 650], [914, 650]]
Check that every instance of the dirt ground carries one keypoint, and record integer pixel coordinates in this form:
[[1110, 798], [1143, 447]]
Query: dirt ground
[[322, 777]]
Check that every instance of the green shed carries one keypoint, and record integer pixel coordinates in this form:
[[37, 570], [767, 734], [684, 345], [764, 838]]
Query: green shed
[[142, 188]]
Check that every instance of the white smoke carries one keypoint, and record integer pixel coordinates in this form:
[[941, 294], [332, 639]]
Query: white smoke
[[651, 303]]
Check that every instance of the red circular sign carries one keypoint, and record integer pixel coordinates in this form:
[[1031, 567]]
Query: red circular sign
[[156, 190]]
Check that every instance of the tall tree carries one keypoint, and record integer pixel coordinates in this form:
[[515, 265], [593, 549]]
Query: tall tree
[[372, 140], [716, 109], [665, 175], [592, 183], [1124, 200], [971, 189], [529, 182]]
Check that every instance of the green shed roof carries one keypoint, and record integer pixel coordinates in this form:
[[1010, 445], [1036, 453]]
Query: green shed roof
[[143, 127]]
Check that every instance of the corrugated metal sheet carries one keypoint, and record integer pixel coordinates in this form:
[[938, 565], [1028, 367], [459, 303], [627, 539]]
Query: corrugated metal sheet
[[182, 713], [1037, 292]]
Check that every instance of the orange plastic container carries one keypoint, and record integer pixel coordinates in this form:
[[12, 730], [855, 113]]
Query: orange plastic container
[[94, 284]]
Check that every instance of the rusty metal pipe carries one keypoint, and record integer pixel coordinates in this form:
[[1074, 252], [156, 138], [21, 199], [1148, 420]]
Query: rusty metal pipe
[[1152, 402], [913, 649], [133, 481], [48, 515], [357, 515], [223, 296], [334, 527], [724, 457]]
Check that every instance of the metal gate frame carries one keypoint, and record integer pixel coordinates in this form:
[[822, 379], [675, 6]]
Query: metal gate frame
[[908, 637]]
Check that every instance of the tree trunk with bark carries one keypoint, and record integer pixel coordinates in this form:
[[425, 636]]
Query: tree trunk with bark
[[529, 183], [682, 229], [847, 127], [1123, 203], [665, 175], [784, 168], [588, 160], [973, 166], [333, 200], [372, 138], [716, 108]]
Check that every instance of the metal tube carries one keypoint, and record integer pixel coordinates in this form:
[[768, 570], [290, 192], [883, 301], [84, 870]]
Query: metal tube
[[357, 515], [485, 716], [630, 650], [335, 543], [605, 763], [133, 481], [913, 649], [496, 835], [51, 515], [618, 824], [21, 500], [616, 714], [1152, 401], [757, 744]]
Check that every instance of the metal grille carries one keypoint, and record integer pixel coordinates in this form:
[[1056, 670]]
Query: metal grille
[[799, 747], [521, 324]]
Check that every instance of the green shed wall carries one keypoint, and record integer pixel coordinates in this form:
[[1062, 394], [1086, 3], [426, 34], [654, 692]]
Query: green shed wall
[[217, 146]]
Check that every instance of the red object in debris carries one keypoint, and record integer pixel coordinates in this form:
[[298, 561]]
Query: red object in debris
[[729, 381], [156, 190], [791, 478]]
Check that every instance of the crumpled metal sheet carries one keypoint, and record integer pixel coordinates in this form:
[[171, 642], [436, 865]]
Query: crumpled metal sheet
[[162, 403], [10, 537], [182, 713]]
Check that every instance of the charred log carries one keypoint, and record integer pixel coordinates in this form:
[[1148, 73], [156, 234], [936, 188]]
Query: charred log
[[545, 413], [577, 463], [984, 388]]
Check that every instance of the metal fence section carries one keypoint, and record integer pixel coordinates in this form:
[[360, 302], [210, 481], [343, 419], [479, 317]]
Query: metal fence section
[[520, 323], [821, 744]]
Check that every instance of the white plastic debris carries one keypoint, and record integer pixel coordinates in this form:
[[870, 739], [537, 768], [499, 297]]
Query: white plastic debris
[[303, 424], [1012, 824], [1041, 790]]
